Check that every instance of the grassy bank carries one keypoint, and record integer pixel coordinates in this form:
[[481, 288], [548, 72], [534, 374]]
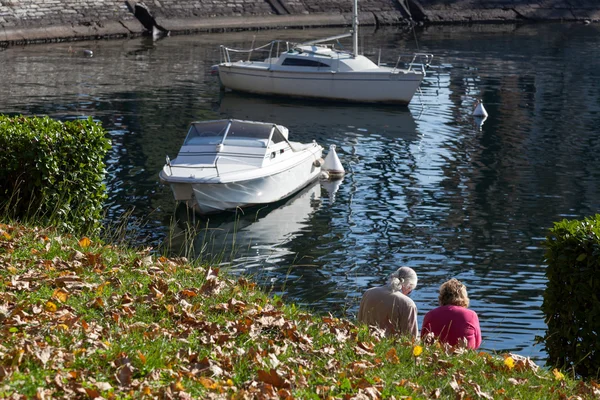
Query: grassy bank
[[79, 318]]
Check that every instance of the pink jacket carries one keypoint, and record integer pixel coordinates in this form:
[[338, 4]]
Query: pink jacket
[[450, 323]]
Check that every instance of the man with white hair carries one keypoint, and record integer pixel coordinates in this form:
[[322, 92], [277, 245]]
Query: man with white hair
[[389, 307]]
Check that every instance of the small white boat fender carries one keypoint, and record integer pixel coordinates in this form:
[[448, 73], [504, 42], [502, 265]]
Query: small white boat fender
[[480, 110], [332, 164]]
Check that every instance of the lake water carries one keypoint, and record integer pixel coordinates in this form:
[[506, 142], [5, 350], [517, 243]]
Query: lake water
[[426, 186]]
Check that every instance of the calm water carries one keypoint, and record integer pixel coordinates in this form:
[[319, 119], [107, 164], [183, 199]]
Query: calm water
[[426, 186]]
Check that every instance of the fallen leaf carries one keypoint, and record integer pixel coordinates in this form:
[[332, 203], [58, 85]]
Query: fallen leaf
[[178, 387], [273, 378], [516, 382], [92, 393], [60, 295], [104, 386], [51, 307], [189, 293], [392, 356], [124, 375], [480, 392], [207, 383], [44, 355], [85, 242], [558, 375]]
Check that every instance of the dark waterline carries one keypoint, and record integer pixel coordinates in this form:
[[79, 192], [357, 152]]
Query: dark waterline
[[426, 186]]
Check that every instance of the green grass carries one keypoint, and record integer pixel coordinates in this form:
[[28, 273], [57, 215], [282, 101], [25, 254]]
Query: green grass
[[83, 318]]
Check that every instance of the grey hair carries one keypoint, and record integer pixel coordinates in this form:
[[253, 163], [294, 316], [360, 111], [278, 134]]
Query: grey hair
[[404, 277]]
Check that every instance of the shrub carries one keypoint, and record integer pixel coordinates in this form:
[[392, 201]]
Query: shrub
[[52, 171], [571, 304]]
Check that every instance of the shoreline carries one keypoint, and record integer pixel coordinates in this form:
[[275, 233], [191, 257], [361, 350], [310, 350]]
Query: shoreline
[[126, 25]]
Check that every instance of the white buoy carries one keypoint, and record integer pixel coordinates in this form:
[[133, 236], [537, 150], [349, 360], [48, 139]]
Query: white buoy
[[480, 110], [333, 165], [332, 186]]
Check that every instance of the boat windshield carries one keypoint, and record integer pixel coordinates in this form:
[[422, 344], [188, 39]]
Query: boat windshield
[[206, 133], [247, 134], [233, 133]]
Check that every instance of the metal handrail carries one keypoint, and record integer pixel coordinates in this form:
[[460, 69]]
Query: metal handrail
[[426, 57], [225, 56]]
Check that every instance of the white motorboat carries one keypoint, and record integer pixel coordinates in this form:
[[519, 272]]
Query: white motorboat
[[229, 164], [318, 70]]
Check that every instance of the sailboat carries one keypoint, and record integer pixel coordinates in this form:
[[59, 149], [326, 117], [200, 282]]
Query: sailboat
[[318, 70]]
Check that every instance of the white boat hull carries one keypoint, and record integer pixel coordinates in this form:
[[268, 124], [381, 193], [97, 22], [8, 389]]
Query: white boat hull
[[209, 198], [396, 87]]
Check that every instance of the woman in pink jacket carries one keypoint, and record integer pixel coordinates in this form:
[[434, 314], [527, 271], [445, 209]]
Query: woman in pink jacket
[[452, 322]]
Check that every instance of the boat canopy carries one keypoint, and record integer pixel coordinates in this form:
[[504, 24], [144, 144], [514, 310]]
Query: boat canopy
[[231, 132]]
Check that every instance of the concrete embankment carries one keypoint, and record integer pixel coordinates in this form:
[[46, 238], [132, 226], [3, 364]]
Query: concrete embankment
[[31, 21]]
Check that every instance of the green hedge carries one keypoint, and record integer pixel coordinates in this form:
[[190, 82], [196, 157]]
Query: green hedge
[[571, 299], [52, 171]]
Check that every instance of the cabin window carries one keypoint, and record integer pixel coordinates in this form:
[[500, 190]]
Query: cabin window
[[277, 137], [303, 62]]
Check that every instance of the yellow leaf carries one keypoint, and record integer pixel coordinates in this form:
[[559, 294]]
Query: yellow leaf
[[51, 307], [85, 242], [146, 390], [12, 270], [417, 350], [60, 295], [178, 387], [558, 375], [62, 327], [6, 235], [229, 382], [207, 383], [101, 287], [509, 362]]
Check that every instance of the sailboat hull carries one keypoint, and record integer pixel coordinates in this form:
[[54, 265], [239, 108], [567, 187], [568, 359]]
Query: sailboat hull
[[380, 86]]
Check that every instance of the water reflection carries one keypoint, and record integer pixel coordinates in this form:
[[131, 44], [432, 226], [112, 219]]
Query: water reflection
[[250, 238], [391, 122]]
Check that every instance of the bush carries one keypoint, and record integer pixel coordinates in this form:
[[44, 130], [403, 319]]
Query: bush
[[571, 303], [52, 171]]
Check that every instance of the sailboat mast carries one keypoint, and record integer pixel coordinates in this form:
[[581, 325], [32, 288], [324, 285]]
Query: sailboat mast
[[355, 27]]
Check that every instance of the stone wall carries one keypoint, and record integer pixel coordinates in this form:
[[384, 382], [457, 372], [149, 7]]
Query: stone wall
[[440, 11], [25, 21], [15, 13]]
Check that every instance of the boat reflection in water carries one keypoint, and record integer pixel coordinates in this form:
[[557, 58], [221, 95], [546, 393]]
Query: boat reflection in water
[[247, 238], [335, 122]]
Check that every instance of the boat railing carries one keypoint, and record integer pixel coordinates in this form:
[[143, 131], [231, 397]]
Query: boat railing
[[416, 61], [273, 48]]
